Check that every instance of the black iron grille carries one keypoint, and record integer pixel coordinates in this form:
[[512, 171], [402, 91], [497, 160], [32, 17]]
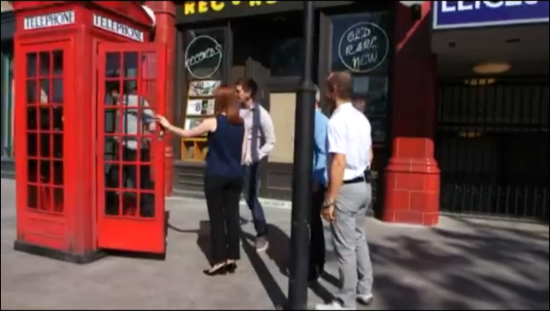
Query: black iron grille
[[492, 146]]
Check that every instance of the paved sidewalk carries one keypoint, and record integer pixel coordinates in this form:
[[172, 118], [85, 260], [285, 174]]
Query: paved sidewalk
[[462, 264]]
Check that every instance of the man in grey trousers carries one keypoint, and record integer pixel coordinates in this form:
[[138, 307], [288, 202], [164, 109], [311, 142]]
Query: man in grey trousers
[[348, 194]]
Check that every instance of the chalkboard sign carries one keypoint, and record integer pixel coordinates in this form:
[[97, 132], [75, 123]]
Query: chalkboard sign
[[363, 47], [203, 57]]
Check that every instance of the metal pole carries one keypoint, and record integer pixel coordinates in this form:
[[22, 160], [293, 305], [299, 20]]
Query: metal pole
[[302, 172]]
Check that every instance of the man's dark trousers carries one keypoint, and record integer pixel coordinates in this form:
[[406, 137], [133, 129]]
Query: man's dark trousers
[[147, 201], [317, 236], [251, 190]]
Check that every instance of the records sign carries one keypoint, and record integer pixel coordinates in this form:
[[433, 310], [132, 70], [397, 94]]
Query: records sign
[[203, 57]]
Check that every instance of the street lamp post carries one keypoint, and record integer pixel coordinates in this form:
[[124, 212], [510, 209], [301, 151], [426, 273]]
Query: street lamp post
[[302, 172]]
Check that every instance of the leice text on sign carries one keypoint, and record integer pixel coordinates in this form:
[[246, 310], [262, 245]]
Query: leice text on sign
[[201, 7], [453, 6], [49, 20]]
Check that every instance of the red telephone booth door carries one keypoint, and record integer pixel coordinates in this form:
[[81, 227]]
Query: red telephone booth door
[[42, 80], [130, 153]]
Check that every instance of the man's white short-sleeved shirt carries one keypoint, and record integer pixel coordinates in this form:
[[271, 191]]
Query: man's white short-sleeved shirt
[[349, 133]]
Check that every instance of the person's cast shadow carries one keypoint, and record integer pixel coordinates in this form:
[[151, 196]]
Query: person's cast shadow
[[278, 252]]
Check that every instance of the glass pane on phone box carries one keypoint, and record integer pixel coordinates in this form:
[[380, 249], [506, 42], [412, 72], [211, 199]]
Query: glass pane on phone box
[[44, 63], [110, 120], [110, 148], [57, 56], [58, 146], [112, 65], [32, 64], [130, 88], [32, 92], [32, 170], [44, 91], [58, 179], [57, 89], [45, 147], [130, 62], [44, 168], [32, 118], [58, 118], [32, 144], [112, 93], [44, 115]]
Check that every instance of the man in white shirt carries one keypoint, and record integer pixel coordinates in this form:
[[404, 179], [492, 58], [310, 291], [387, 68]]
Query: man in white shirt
[[348, 194]]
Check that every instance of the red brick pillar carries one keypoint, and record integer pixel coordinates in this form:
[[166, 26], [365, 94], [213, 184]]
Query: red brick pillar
[[412, 175], [165, 32]]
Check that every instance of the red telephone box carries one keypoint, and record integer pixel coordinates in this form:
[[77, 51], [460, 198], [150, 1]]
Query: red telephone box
[[89, 155]]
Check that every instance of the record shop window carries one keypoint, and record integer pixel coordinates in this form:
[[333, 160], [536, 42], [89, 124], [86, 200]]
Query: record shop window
[[361, 45], [204, 59]]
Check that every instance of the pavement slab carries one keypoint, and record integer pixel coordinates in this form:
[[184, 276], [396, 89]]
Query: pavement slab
[[462, 263]]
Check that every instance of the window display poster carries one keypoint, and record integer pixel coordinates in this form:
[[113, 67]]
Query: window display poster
[[204, 88], [200, 107], [378, 130], [192, 123], [360, 85]]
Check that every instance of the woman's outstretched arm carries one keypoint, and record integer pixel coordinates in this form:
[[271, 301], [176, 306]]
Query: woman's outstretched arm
[[208, 125]]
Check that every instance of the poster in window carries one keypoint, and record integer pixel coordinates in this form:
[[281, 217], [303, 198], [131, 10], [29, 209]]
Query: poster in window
[[192, 123], [200, 107], [377, 96], [361, 84], [378, 128], [203, 88]]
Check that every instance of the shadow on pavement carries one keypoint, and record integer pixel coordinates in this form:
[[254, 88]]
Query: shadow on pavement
[[477, 267], [468, 266], [272, 288], [279, 243], [279, 253], [473, 266], [279, 248], [203, 237]]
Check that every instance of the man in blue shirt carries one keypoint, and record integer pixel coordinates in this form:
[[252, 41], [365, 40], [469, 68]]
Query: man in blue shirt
[[317, 238]]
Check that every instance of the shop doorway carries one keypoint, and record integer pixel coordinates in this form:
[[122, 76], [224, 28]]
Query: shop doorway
[[268, 50]]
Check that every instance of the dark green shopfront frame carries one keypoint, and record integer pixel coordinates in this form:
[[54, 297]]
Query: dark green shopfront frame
[[7, 31]]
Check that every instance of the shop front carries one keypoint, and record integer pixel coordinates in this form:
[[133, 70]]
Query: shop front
[[7, 107], [219, 42], [492, 124]]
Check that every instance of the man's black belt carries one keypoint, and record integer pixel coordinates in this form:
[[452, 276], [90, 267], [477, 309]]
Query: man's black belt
[[354, 180]]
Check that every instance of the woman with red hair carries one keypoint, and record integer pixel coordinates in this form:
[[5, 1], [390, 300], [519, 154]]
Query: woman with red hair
[[222, 177]]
